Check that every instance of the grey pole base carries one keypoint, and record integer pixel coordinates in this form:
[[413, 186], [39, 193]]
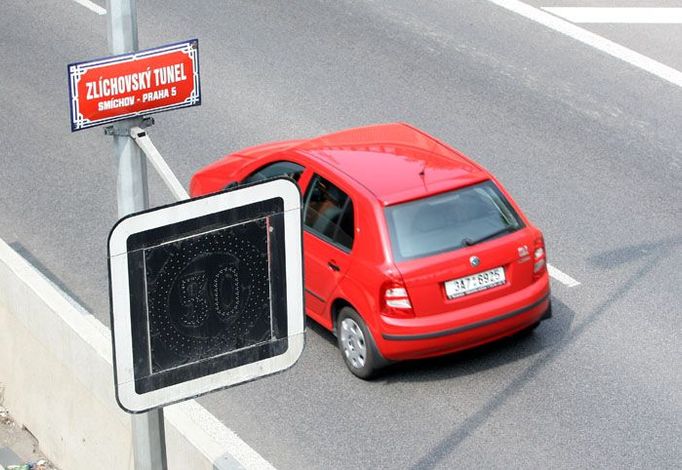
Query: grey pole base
[[149, 440]]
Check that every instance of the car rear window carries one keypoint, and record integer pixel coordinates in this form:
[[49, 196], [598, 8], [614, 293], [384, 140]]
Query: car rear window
[[450, 221]]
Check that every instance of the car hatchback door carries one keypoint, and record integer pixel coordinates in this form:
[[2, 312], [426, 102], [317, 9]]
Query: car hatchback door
[[460, 248]]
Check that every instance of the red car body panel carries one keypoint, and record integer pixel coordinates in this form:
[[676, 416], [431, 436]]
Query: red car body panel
[[379, 166]]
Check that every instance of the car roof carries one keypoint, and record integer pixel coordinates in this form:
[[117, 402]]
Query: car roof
[[396, 162]]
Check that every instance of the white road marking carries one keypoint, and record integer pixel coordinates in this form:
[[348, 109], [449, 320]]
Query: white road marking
[[598, 42], [92, 6], [618, 15], [562, 277]]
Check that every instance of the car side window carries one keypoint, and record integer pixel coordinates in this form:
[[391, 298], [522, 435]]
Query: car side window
[[329, 212], [283, 168]]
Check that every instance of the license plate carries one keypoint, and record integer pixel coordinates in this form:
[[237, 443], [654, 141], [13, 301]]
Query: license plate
[[475, 283]]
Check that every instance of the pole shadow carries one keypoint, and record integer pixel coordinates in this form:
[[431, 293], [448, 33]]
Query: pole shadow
[[650, 254]]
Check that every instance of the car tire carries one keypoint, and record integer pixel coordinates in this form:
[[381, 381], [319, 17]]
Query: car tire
[[357, 345]]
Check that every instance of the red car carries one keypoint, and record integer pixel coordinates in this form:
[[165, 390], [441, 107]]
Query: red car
[[411, 248]]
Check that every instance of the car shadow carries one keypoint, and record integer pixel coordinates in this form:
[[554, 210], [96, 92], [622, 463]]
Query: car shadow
[[322, 332], [489, 356], [472, 361]]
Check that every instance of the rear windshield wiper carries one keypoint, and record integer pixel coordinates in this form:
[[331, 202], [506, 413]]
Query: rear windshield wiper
[[469, 241]]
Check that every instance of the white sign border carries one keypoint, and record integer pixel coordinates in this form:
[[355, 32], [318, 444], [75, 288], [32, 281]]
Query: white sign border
[[121, 328]]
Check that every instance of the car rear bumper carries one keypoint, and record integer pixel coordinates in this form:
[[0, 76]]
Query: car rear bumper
[[412, 338]]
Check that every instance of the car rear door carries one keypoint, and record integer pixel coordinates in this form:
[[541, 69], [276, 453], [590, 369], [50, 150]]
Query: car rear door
[[328, 223]]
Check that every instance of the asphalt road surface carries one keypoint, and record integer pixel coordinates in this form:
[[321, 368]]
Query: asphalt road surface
[[588, 144]]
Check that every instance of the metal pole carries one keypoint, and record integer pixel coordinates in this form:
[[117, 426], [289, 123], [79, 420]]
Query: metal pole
[[149, 446], [132, 167]]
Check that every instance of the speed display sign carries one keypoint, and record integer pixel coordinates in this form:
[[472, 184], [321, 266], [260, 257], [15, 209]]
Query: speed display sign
[[206, 293]]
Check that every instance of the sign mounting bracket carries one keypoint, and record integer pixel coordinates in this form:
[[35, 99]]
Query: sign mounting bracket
[[141, 138], [124, 130]]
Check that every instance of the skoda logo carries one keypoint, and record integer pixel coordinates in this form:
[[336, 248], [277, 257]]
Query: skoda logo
[[474, 261]]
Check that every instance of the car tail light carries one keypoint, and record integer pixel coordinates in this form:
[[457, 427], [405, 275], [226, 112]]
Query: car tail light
[[396, 301], [539, 258]]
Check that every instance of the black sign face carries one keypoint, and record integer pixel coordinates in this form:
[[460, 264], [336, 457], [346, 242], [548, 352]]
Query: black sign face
[[207, 295]]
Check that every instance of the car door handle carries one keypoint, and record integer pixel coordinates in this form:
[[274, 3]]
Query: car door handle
[[333, 266]]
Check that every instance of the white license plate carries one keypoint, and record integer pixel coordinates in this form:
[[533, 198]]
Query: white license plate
[[475, 283]]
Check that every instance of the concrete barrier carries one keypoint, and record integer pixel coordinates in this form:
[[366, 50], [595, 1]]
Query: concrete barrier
[[56, 379]]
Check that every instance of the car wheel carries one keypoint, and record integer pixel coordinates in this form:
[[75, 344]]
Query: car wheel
[[356, 344]]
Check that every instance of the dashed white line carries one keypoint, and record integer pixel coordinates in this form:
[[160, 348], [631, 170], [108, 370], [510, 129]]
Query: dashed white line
[[562, 277], [598, 42], [629, 15], [92, 6]]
